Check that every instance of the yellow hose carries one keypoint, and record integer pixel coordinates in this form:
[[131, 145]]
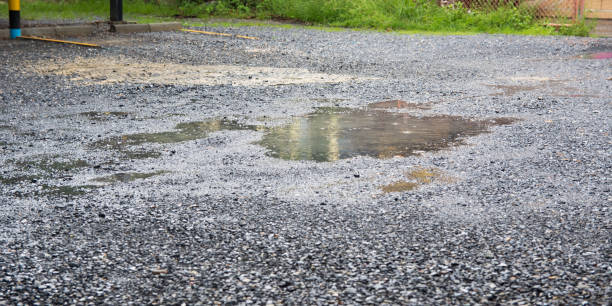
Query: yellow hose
[[218, 34], [61, 41]]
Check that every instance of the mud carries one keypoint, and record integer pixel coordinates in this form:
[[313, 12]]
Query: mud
[[184, 132], [104, 70], [418, 177], [125, 177]]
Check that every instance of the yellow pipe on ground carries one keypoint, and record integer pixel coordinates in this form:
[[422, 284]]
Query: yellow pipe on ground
[[61, 41], [218, 34]]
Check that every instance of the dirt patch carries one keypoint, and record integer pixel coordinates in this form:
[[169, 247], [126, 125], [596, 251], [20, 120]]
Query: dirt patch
[[106, 70], [429, 175], [399, 186], [417, 177], [544, 85]]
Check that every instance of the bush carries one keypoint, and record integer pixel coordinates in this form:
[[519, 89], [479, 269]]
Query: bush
[[420, 15], [424, 15]]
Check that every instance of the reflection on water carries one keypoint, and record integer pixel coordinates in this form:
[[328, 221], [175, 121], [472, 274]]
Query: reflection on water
[[68, 191], [331, 134], [128, 176], [184, 132], [141, 154]]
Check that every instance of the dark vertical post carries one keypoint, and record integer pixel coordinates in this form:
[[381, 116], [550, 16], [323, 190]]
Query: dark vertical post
[[116, 10], [14, 18]]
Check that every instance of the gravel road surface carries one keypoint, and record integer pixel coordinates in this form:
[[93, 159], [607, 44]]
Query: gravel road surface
[[170, 168]]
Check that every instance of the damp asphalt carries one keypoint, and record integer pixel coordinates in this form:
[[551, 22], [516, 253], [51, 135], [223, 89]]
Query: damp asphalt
[[306, 167]]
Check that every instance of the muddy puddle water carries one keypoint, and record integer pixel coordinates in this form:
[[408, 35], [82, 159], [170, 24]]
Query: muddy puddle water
[[102, 116], [128, 177], [184, 132], [418, 177], [383, 130], [330, 134]]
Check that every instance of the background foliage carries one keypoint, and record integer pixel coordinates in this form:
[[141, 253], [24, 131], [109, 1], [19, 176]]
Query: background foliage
[[409, 15]]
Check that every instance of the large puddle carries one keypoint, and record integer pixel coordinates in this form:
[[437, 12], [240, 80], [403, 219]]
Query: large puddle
[[105, 116], [330, 134], [127, 177], [184, 132], [382, 130]]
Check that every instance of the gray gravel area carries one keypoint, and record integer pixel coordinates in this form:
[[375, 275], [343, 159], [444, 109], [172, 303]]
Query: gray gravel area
[[525, 219]]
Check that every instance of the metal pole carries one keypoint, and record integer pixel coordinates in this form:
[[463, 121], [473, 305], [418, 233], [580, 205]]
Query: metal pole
[[116, 10], [14, 22]]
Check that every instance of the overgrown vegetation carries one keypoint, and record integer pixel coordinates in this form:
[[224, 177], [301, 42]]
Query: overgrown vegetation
[[88, 9], [402, 15]]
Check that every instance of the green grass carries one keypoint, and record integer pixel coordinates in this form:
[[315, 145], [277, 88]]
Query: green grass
[[404, 16], [88, 9]]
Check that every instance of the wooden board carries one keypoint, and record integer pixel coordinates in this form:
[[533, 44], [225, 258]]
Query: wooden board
[[601, 9]]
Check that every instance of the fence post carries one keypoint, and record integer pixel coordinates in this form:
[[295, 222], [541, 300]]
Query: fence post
[[14, 19], [578, 9], [575, 15], [116, 10]]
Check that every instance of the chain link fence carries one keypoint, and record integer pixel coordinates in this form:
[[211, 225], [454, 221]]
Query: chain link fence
[[551, 9]]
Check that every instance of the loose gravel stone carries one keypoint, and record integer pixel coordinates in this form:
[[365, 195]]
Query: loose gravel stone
[[523, 218]]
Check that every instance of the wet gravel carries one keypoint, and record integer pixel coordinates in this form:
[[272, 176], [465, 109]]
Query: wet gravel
[[525, 219]]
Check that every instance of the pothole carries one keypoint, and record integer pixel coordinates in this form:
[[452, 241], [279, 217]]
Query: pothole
[[125, 177], [332, 133], [184, 132], [46, 176]]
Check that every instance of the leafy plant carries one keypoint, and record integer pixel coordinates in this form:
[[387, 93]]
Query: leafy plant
[[406, 15]]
